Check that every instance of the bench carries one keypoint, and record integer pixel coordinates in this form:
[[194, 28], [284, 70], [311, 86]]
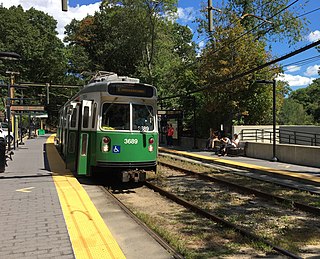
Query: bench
[[238, 151]]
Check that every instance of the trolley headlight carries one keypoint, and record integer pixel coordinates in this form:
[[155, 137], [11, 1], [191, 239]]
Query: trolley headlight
[[105, 145]]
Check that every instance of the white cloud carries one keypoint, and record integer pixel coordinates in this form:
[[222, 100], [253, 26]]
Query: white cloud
[[295, 80], [293, 68], [312, 70], [201, 44], [53, 8], [186, 14], [314, 36]]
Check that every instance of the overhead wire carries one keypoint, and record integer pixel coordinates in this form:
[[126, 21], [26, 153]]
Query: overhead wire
[[242, 35], [259, 67], [207, 37], [250, 71], [312, 11], [303, 61], [257, 26], [301, 15]]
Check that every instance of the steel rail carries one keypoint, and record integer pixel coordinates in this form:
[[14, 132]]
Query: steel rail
[[298, 205], [264, 172], [153, 234], [219, 220]]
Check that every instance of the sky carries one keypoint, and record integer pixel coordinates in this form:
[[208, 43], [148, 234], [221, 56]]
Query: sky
[[299, 71]]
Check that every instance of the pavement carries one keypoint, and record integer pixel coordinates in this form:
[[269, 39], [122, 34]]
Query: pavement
[[36, 207], [32, 222], [46, 213], [304, 177]]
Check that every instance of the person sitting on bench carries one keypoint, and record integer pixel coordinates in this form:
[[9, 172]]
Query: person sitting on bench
[[225, 143], [235, 141]]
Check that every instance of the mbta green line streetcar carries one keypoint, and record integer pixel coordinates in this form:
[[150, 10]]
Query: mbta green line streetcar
[[110, 126]]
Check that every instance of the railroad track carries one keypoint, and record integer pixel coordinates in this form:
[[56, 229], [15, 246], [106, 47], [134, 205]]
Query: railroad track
[[300, 185], [261, 176], [154, 235], [215, 217], [298, 205], [206, 214], [219, 220]]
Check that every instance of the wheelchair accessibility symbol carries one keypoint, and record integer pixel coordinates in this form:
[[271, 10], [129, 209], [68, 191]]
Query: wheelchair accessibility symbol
[[116, 149]]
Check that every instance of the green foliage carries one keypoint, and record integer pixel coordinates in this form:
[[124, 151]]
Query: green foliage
[[266, 19], [32, 35], [309, 97], [240, 100], [135, 38], [140, 38], [238, 44], [293, 113]]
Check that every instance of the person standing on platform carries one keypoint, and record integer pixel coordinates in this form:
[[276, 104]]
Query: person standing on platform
[[170, 135], [210, 139]]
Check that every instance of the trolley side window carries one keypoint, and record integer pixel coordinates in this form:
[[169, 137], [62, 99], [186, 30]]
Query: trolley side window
[[65, 114], [115, 116], [72, 142], [74, 117], [85, 122], [143, 117], [94, 115]]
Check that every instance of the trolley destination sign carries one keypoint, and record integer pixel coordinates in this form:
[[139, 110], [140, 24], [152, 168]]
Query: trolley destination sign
[[127, 89], [27, 108]]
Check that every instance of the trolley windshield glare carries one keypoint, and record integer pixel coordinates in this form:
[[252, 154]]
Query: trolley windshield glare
[[110, 127], [119, 117]]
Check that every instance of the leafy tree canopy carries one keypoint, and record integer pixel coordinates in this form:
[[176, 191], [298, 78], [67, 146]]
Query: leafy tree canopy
[[32, 35], [136, 38], [237, 44], [293, 113], [309, 97]]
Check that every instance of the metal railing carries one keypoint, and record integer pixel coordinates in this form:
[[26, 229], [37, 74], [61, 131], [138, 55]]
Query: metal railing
[[258, 135], [283, 136]]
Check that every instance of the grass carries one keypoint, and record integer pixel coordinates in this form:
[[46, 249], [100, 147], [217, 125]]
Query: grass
[[195, 237]]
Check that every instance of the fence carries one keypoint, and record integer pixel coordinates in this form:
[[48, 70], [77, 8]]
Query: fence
[[283, 136]]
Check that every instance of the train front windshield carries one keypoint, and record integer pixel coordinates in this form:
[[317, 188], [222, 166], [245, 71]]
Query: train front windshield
[[117, 117]]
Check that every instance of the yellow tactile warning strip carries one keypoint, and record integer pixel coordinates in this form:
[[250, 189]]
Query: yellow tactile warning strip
[[89, 235], [303, 176]]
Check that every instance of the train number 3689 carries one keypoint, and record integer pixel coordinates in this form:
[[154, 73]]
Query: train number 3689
[[130, 141]]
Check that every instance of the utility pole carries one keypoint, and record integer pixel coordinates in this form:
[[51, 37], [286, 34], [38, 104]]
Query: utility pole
[[48, 99], [11, 116], [64, 4], [210, 20], [274, 136]]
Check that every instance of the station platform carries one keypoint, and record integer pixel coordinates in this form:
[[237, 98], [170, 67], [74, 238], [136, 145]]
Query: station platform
[[46, 213], [309, 177]]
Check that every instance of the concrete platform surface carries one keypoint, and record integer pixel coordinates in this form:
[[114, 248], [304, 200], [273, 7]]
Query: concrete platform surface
[[34, 213]]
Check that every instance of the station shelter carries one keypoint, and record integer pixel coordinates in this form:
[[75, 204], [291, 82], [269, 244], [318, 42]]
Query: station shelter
[[166, 117]]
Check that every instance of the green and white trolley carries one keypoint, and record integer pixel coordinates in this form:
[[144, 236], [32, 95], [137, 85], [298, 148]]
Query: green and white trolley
[[110, 126]]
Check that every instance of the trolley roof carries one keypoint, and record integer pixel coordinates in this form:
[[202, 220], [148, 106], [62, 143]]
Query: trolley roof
[[102, 79]]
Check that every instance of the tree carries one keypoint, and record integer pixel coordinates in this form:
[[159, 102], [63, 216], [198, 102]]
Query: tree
[[293, 113], [32, 34], [268, 20], [239, 100], [309, 97], [135, 38], [238, 44]]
